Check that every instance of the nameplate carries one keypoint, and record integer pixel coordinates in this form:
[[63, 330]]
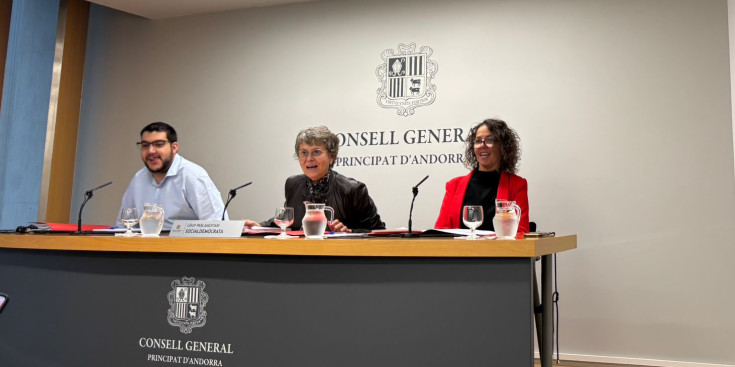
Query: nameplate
[[207, 228]]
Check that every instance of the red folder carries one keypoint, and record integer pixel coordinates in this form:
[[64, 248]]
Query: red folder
[[67, 227]]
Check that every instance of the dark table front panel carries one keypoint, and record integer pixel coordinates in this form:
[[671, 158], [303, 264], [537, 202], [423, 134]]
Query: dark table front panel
[[94, 308]]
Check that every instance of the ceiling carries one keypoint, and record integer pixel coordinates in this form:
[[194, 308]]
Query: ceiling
[[159, 9]]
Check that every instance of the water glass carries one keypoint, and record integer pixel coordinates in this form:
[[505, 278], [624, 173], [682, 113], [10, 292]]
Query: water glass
[[472, 216], [129, 217], [284, 219]]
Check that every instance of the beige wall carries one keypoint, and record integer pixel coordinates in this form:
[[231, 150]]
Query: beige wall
[[731, 26], [623, 107]]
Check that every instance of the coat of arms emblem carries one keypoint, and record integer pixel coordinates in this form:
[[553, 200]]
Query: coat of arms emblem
[[405, 78], [187, 301]]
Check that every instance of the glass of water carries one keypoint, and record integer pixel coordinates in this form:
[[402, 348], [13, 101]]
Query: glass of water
[[283, 219], [129, 217], [472, 217]]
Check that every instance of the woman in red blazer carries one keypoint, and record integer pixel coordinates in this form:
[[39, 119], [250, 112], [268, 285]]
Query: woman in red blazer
[[492, 153]]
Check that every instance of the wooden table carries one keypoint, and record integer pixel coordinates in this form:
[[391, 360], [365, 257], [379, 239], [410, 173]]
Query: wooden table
[[387, 301]]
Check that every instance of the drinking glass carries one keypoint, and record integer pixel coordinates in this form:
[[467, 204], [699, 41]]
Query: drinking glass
[[472, 217], [129, 217], [283, 219]]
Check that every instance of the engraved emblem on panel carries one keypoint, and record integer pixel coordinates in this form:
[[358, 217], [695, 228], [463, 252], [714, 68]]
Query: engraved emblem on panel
[[187, 300], [405, 78]]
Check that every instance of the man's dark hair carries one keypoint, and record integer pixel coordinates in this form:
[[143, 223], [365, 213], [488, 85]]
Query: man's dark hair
[[161, 127]]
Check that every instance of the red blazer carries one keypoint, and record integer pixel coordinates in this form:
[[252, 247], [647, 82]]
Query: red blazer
[[511, 187]]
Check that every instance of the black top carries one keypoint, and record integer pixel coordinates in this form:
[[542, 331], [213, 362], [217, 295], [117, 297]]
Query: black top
[[482, 190]]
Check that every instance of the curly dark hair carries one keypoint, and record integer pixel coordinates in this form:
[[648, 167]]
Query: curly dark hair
[[506, 139], [315, 136]]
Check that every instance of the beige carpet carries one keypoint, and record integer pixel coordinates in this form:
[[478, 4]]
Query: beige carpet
[[585, 364]]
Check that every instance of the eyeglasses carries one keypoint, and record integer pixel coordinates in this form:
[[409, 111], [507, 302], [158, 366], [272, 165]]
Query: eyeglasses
[[316, 153], [488, 141], [158, 144]]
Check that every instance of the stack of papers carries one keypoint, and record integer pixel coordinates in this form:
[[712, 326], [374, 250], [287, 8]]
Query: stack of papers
[[376, 233], [455, 232], [115, 230]]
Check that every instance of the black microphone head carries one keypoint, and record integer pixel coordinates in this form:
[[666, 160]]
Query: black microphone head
[[422, 181], [100, 186], [241, 186]]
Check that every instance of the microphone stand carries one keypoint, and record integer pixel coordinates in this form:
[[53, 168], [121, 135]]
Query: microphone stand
[[415, 191], [87, 195], [231, 196]]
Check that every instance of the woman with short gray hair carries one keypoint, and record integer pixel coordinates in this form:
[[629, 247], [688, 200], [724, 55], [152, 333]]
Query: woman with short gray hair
[[316, 150], [319, 135]]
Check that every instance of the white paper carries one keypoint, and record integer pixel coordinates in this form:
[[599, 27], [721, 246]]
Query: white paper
[[465, 232]]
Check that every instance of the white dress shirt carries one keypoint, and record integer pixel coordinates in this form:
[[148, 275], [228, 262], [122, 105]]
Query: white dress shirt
[[186, 192]]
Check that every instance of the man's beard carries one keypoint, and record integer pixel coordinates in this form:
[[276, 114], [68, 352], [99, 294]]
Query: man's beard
[[165, 165]]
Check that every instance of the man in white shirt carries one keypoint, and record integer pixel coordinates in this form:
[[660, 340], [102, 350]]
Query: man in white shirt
[[183, 188]]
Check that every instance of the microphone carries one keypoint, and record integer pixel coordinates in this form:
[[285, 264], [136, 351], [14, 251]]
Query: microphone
[[416, 188], [415, 191], [87, 195], [231, 196]]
